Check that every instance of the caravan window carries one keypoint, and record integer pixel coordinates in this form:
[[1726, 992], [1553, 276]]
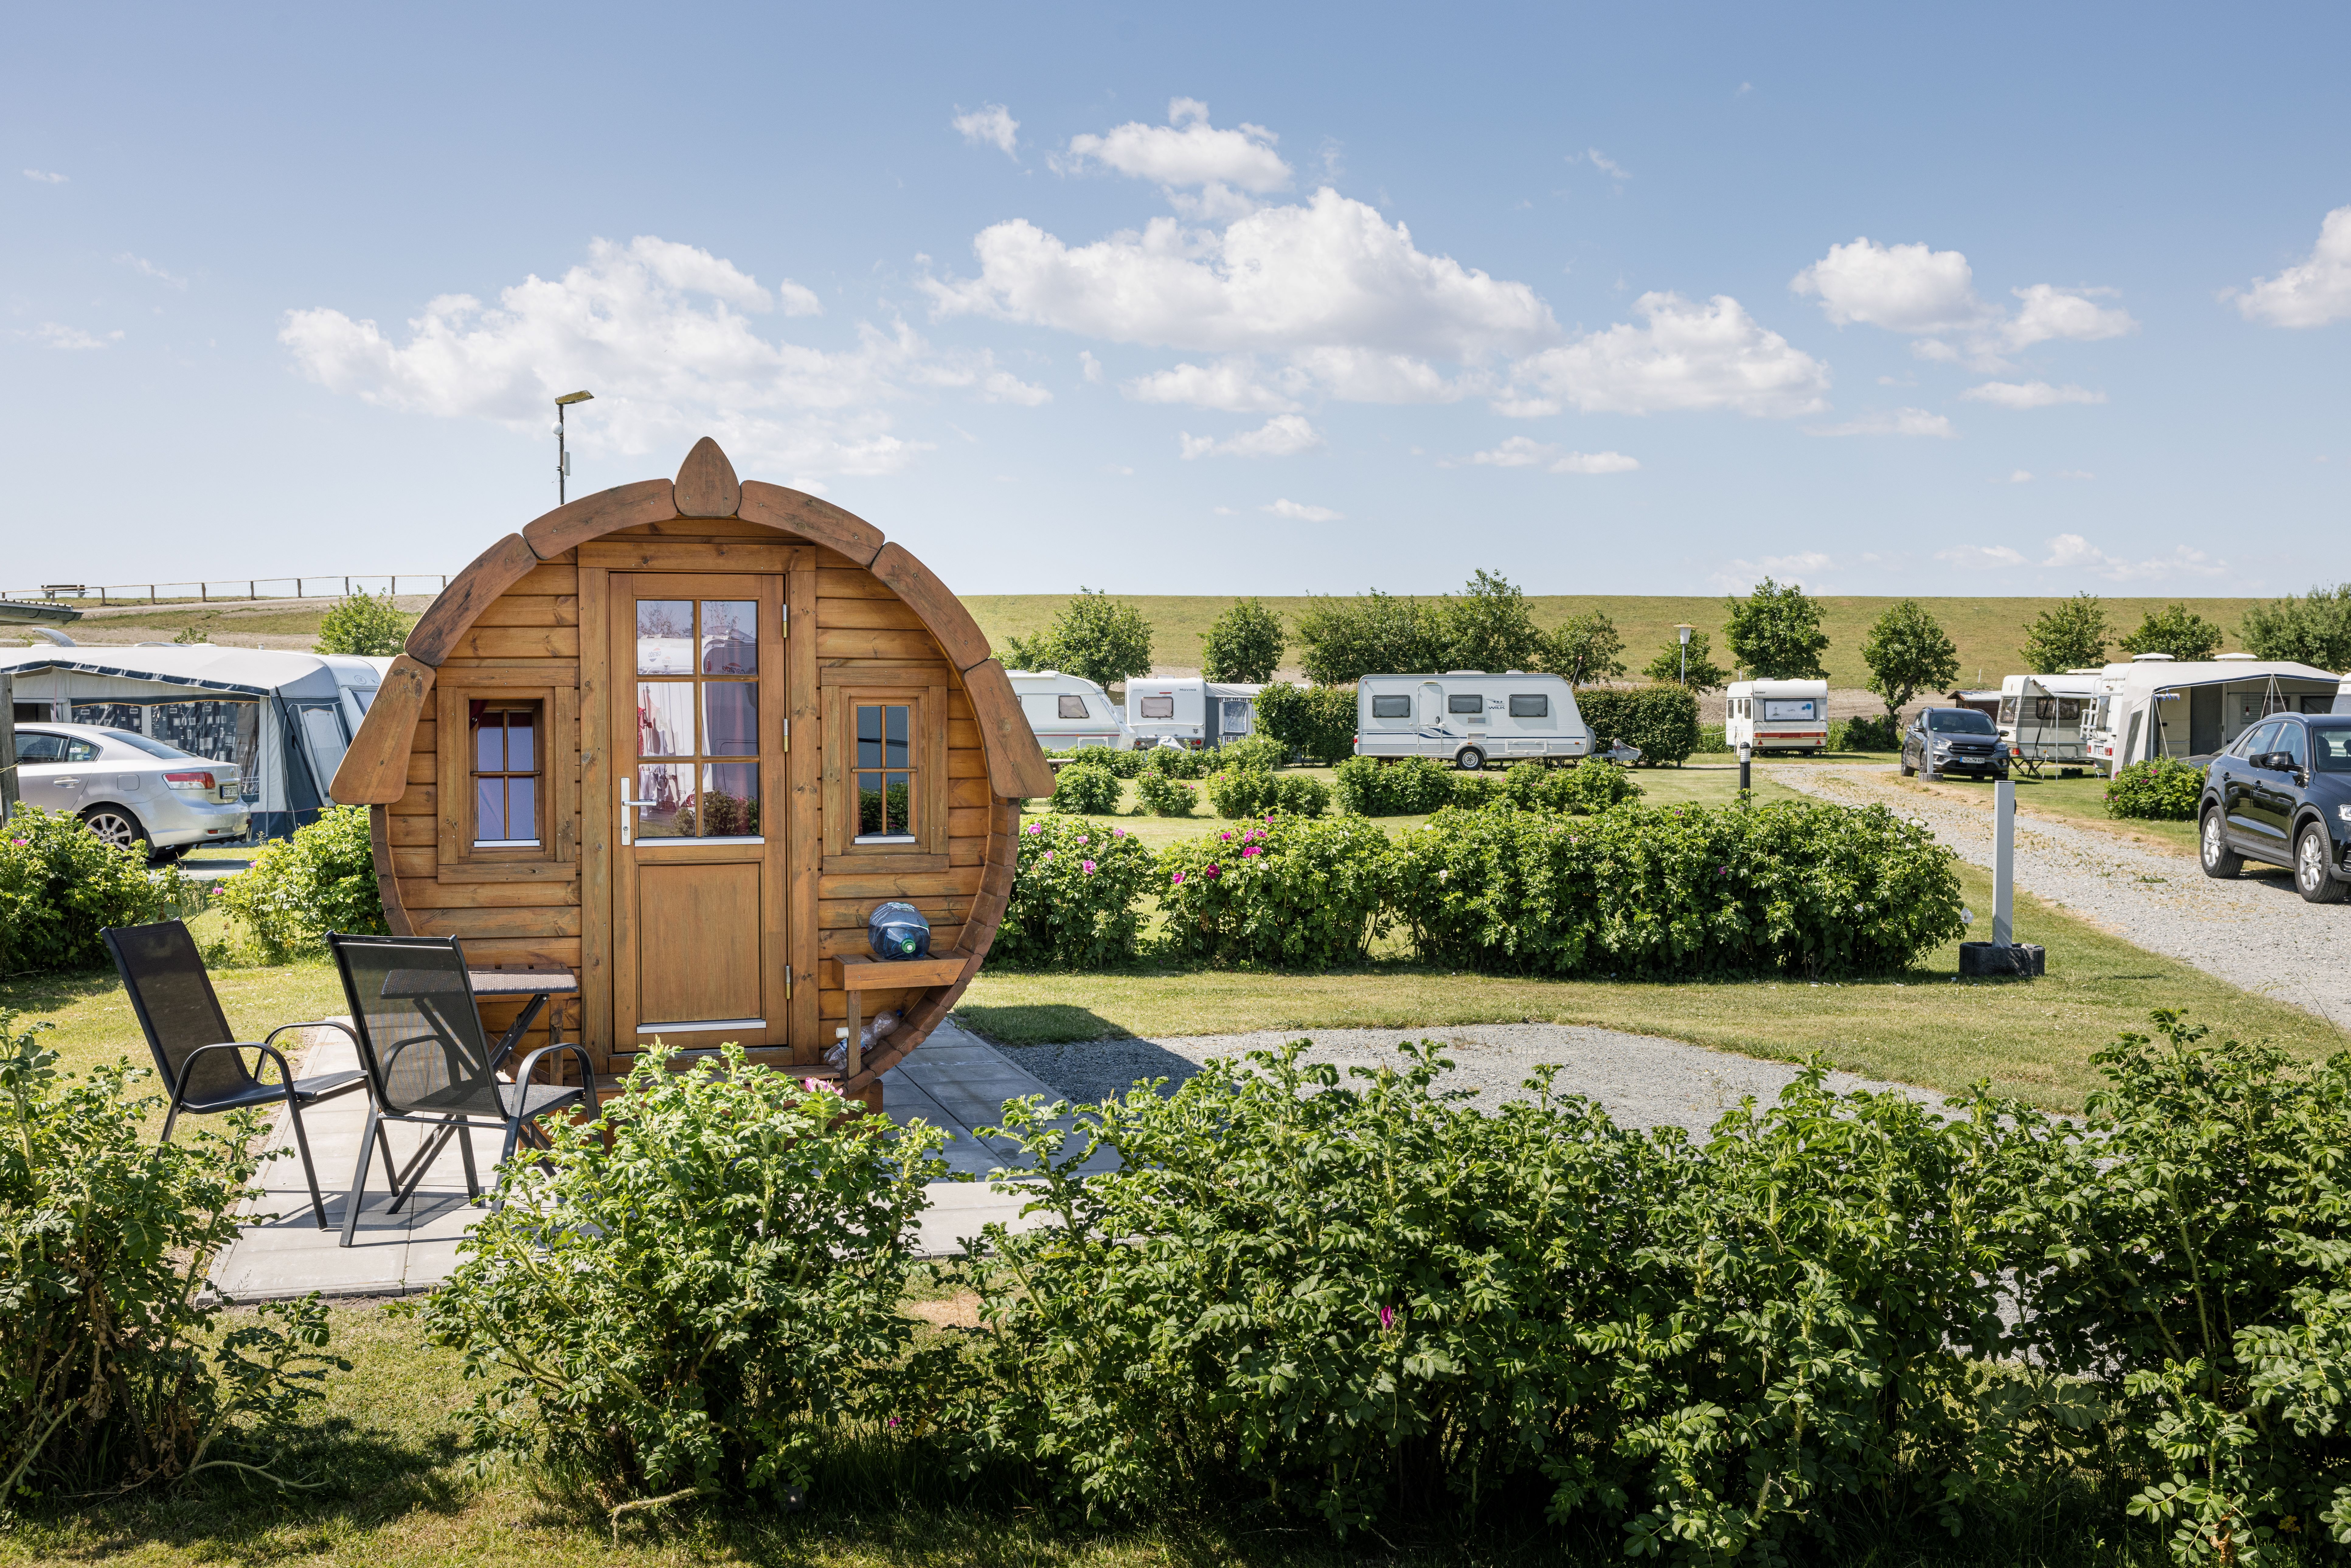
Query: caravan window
[[2007, 710], [1157, 707], [1778, 711], [1071, 707], [1464, 702], [1529, 706], [1392, 708]]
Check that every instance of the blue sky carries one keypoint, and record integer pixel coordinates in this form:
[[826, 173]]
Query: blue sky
[[1211, 298]]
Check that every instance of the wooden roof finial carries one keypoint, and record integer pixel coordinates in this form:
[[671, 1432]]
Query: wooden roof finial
[[705, 485]]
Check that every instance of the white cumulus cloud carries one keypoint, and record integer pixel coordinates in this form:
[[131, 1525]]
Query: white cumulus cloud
[[989, 125], [663, 332], [58, 335], [1186, 151], [2030, 394], [1525, 452], [1980, 558], [1929, 296], [1892, 421], [1686, 356], [2072, 552], [1283, 436], [1303, 513], [43, 177], [2310, 293], [1235, 385]]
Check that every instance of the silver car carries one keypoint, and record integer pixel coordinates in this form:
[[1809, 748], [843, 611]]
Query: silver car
[[129, 788]]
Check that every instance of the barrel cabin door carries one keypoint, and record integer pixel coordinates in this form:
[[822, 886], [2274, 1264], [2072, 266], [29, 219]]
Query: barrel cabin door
[[698, 774]]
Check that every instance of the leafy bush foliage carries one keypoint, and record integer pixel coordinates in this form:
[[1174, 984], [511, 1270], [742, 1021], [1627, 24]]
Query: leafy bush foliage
[[1583, 648], [1814, 889], [298, 889], [1240, 792], [1871, 732], [112, 1370], [364, 624], [1692, 668], [1299, 795], [1713, 738], [1174, 761], [1259, 752], [1291, 892], [2159, 789], [1474, 789], [1661, 720], [689, 1292], [1408, 787], [1360, 1299], [1085, 790], [60, 886], [1908, 652], [1314, 721], [1242, 644], [1164, 796], [1588, 786], [1120, 763], [1074, 896], [1341, 641]]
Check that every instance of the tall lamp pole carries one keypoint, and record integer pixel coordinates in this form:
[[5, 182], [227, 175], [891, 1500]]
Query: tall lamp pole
[[562, 453], [1684, 633]]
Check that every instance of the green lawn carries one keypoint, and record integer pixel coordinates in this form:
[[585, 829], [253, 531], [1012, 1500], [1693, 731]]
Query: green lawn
[[2079, 802]]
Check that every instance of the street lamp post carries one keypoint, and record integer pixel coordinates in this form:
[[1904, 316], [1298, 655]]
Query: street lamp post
[[1684, 633], [562, 453]]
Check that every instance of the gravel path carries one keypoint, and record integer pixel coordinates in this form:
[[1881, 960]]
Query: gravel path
[[2255, 933], [1642, 1081]]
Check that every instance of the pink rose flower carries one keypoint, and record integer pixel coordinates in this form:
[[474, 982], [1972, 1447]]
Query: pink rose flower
[[1084, 840], [1086, 866], [1049, 854], [1251, 851], [1212, 872], [1223, 835], [1179, 879], [1036, 826]]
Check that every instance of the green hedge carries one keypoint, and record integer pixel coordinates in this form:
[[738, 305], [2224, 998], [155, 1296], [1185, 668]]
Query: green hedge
[[61, 884], [1869, 732], [2159, 789], [1174, 761], [1801, 887], [1408, 787], [1661, 720], [1317, 723], [1076, 896], [1291, 892], [1588, 786]]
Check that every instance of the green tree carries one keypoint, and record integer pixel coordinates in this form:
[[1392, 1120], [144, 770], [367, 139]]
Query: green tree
[[1698, 671], [1775, 634], [2312, 631], [1583, 648], [1245, 643], [2174, 630], [1343, 639], [1490, 627], [2068, 636], [365, 625], [1908, 652], [1103, 639]]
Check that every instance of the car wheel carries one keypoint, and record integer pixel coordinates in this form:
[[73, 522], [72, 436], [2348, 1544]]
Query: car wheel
[[2312, 874], [1471, 760], [1908, 771], [2220, 860], [115, 826]]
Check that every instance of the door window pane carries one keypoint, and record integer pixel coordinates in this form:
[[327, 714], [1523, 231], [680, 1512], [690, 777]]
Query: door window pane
[[665, 794], [730, 718], [728, 804], [730, 637], [664, 718], [664, 636], [489, 809]]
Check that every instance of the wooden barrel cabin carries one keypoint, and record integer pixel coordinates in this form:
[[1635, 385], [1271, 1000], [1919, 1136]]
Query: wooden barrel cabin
[[679, 739]]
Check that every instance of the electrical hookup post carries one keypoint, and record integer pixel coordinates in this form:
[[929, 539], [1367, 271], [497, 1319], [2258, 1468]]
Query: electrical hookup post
[[2003, 955]]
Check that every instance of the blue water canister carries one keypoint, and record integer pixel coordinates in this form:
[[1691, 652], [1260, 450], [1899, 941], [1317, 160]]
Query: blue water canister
[[897, 930]]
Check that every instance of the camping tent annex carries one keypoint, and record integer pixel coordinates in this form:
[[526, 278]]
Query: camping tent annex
[[2154, 707], [284, 717]]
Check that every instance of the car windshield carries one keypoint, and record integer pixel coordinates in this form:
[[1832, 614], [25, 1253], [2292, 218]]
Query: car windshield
[[152, 748], [1960, 721], [2330, 748]]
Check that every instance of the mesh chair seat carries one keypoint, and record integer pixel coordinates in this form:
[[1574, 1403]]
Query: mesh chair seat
[[257, 1094]]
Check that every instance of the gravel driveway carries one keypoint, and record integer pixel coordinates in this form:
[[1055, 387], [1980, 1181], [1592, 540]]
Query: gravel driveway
[[1642, 1081], [2255, 933]]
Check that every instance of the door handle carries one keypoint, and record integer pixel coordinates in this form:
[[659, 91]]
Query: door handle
[[628, 815]]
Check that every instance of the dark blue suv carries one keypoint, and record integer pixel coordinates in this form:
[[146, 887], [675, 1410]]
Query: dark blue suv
[[2282, 794]]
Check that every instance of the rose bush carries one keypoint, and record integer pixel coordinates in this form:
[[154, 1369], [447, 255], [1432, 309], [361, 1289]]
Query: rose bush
[[1284, 892], [2160, 789], [1076, 896]]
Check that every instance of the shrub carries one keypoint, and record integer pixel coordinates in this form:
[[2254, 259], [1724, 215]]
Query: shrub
[[1259, 752], [1163, 796], [2159, 789], [1712, 737], [1299, 795], [60, 886], [1589, 787], [298, 889], [1176, 761], [113, 1370], [1291, 893], [1473, 790], [1317, 723], [1661, 720], [1074, 896], [1085, 790], [1241, 792], [693, 1291], [1871, 732], [1125, 763], [1408, 787], [1816, 888], [1362, 1301], [364, 624]]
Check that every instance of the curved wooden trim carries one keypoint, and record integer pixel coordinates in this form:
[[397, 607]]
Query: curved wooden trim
[[1015, 763], [387, 881], [591, 516], [798, 512], [940, 610], [374, 771], [705, 485], [469, 592]]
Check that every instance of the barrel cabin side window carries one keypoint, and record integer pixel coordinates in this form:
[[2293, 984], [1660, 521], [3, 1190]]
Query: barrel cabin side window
[[887, 775], [506, 786], [507, 752]]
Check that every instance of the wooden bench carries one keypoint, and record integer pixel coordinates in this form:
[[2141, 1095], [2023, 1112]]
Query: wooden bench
[[860, 974]]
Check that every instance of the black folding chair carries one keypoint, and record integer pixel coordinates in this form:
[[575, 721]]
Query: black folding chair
[[200, 1060], [427, 1060]]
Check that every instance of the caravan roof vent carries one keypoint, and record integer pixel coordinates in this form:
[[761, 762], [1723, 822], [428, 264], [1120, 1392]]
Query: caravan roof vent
[[2246, 657], [2151, 658], [1464, 671]]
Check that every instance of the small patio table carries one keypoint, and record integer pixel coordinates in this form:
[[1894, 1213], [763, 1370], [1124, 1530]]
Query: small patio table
[[426, 987]]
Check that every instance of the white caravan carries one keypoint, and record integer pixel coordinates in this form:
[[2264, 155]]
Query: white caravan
[[1470, 718], [2155, 706], [2043, 718], [1191, 711], [1069, 710], [1776, 715]]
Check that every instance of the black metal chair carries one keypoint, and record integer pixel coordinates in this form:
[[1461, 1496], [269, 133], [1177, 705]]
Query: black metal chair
[[200, 1059], [427, 1060]]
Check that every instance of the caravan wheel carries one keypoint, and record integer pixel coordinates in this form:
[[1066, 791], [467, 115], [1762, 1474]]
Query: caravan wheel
[[1470, 759]]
